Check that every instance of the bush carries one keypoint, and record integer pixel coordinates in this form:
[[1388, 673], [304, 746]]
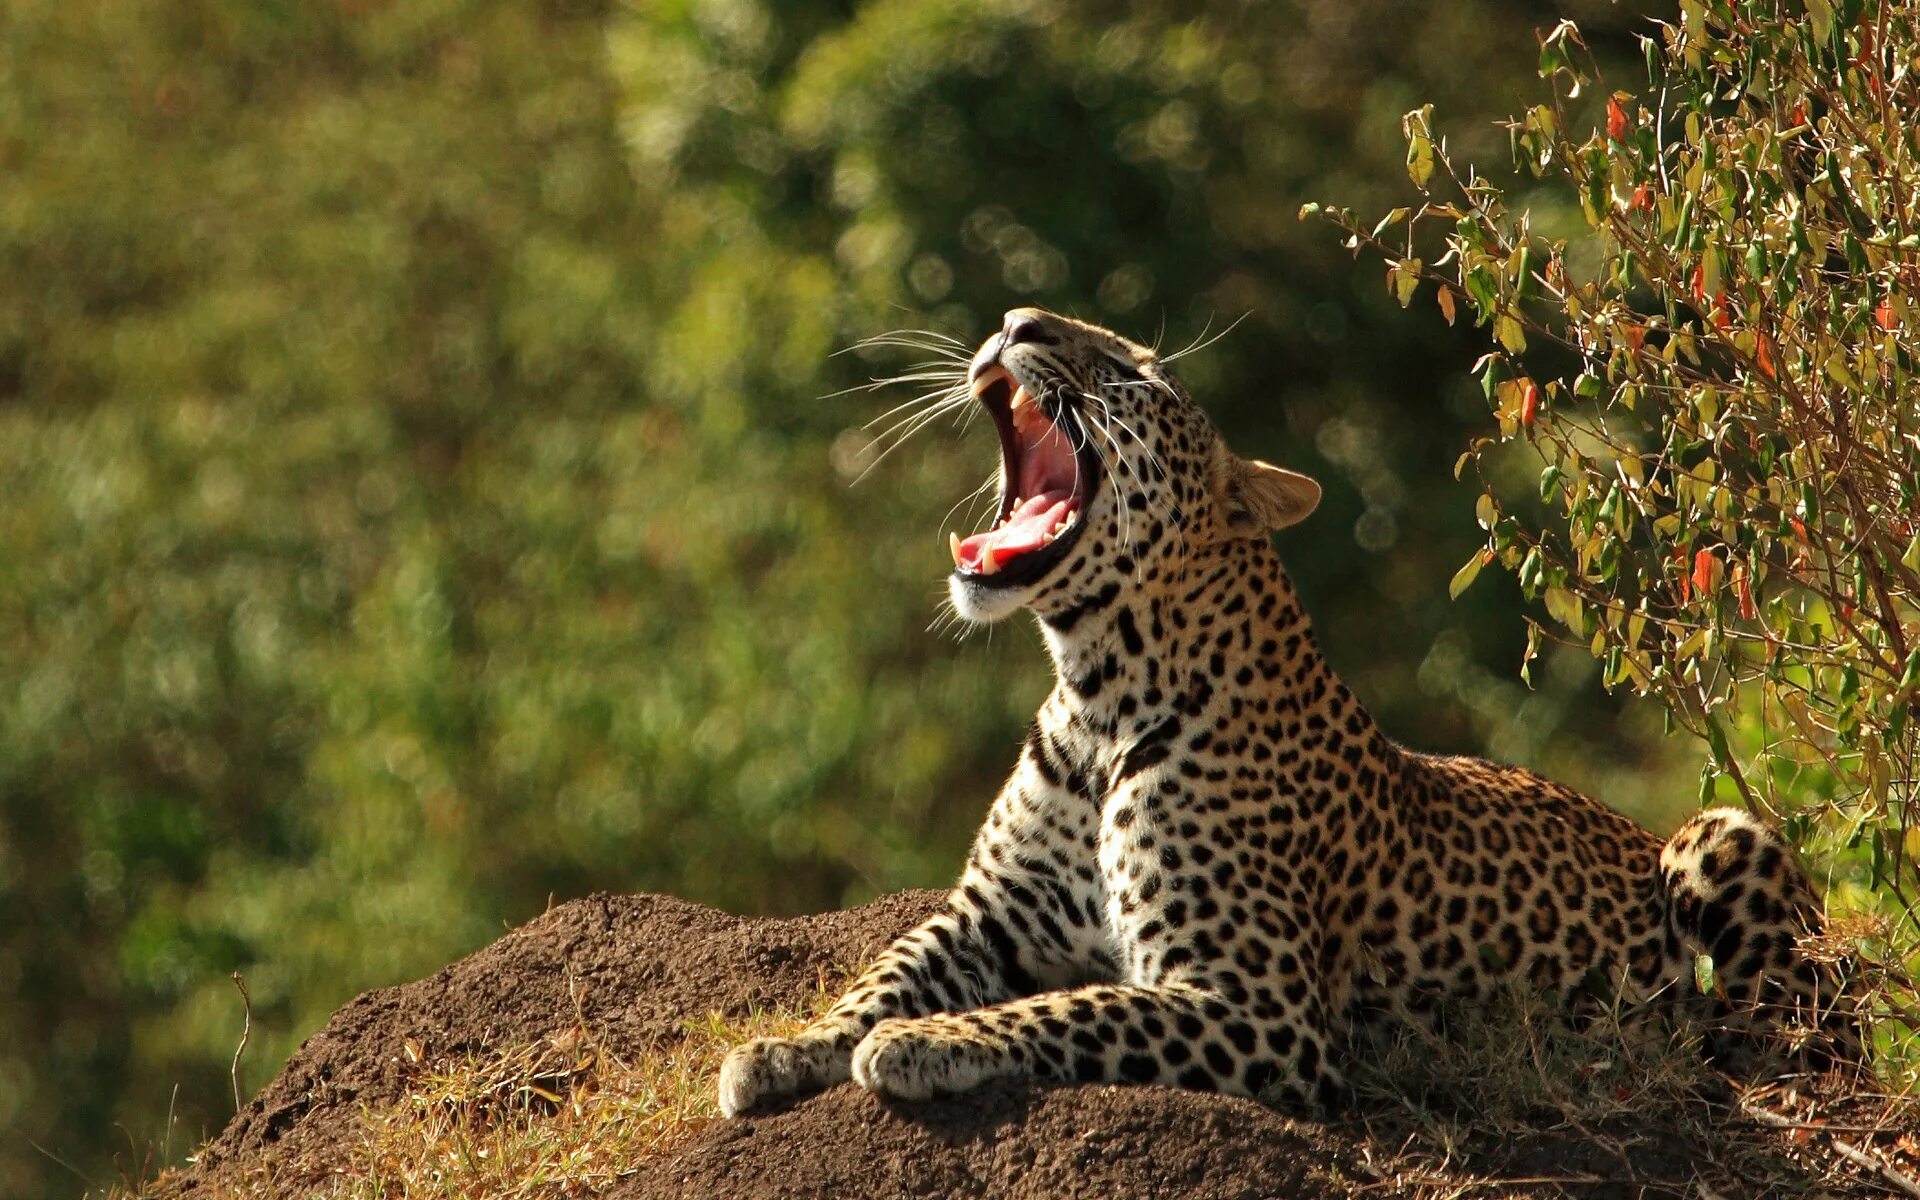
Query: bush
[[1711, 370]]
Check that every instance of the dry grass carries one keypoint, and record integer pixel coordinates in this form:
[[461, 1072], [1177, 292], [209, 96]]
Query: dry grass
[[1509, 1086], [562, 1117], [1620, 1101]]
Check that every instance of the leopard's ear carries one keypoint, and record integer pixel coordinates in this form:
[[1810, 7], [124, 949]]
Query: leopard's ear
[[1256, 496]]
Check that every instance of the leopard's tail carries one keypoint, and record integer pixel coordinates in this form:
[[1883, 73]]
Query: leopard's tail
[[1735, 894]]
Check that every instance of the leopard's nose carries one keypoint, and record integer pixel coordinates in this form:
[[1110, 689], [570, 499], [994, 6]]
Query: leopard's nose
[[1024, 325]]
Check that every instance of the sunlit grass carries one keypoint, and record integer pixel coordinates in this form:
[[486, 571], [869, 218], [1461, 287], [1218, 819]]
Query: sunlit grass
[[563, 1116]]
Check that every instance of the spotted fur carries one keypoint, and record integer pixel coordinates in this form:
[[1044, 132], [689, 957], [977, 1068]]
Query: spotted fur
[[1209, 863]]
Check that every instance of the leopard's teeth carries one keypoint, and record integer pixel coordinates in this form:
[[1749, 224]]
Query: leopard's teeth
[[1025, 412], [953, 544], [989, 565]]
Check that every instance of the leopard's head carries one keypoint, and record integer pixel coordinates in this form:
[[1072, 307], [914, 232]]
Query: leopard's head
[[1111, 480]]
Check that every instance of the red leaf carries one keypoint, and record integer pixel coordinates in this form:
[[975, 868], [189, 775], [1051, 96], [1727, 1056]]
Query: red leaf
[[1616, 120], [1703, 562], [1743, 588], [1698, 282], [1763, 355], [1642, 198], [1530, 403], [1883, 315]]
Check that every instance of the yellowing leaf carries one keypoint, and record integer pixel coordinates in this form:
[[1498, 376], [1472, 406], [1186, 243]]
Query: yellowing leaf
[[1484, 511], [1464, 577], [1693, 644], [1406, 278], [1821, 12], [1419, 158], [1838, 367], [1564, 607], [1511, 333]]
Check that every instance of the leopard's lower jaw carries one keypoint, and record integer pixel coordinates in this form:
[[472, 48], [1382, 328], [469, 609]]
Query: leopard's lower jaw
[[984, 605]]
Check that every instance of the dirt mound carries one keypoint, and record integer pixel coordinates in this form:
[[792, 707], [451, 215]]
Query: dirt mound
[[1056, 1143], [635, 968], [631, 968]]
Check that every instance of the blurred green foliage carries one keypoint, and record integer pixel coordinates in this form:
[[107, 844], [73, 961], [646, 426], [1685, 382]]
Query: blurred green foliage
[[426, 494]]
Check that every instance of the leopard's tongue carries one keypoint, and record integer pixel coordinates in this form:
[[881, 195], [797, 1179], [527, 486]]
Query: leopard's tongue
[[1027, 528]]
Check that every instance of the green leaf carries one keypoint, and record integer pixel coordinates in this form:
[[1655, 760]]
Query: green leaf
[[1530, 568], [1524, 284], [1717, 743], [1553, 51], [1479, 284], [1910, 678]]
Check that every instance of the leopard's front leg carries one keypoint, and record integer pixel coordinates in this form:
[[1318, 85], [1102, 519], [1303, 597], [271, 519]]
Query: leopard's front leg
[[1220, 992], [1112, 1033], [941, 964], [1018, 921]]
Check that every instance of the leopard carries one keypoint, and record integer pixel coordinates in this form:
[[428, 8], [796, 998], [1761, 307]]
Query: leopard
[[1209, 865]]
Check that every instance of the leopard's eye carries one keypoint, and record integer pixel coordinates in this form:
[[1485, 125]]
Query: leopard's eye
[[1128, 368]]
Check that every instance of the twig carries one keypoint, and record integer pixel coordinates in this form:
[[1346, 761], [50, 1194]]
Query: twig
[[1900, 1180], [246, 1032]]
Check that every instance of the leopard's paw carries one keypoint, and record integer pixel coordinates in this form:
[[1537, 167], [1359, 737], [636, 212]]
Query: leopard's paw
[[771, 1068], [916, 1059]]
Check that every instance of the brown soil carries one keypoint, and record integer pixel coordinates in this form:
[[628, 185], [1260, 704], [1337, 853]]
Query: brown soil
[[633, 968]]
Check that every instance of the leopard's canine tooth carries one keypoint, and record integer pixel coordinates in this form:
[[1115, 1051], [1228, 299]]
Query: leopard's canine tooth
[[987, 379]]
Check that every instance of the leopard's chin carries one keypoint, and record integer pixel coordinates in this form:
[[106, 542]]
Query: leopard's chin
[[1049, 473]]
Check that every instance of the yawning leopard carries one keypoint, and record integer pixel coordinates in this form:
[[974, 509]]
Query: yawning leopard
[[1209, 863]]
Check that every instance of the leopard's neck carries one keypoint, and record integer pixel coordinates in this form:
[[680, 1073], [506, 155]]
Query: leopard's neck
[[1226, 637]]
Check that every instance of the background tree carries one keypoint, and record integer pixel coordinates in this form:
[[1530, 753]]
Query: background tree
[[425, 496], [1703, 367]]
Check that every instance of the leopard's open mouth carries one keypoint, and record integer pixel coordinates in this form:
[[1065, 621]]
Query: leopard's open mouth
[[1045, 483]]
